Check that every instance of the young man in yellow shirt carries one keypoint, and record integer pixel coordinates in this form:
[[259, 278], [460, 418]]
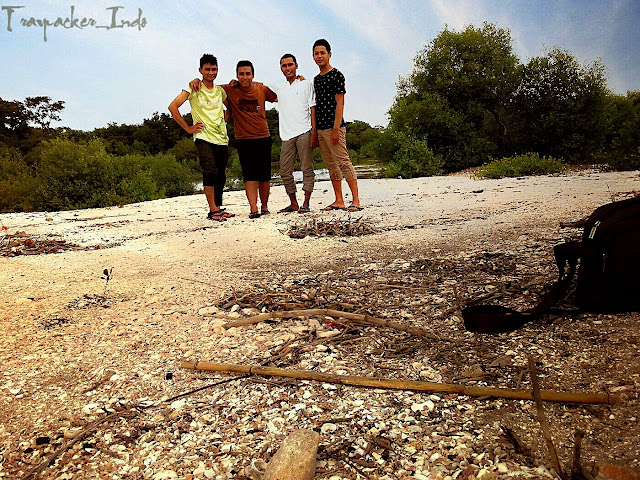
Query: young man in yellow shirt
[[209, 132]]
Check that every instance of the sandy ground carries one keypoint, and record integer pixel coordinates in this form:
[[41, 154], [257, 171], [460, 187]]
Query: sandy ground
[[168, 262], [155, 243]]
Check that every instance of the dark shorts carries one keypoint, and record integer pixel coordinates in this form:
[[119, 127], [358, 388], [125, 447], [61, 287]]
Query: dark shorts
[[255, 158], [213, 162]]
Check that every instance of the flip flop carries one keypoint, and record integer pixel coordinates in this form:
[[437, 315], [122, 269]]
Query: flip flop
[[223, 213], [355, 208], [304, 209], [217, 216], [328, 208], [264, 211], [255, 214], [289, 209]]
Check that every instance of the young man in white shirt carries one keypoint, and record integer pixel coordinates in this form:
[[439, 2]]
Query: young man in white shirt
[[297, 120]]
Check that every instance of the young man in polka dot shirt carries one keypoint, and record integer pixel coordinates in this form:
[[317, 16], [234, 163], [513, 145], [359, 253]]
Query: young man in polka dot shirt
[[329, 85]]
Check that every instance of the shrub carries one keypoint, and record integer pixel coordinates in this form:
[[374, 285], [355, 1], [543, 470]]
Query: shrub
[[73, 175], [185, 152], [16, 181], [410, 157], [520, 165]]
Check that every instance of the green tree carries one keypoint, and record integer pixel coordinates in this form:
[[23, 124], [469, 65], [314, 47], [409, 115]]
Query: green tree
[[457, 98], [474, 71], [25, 124], [41, 111], [622, 131], [559, 107], [471, 100], [360, 139]]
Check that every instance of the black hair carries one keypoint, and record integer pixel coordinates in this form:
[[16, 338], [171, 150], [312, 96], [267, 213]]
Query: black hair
[[244, 63], [208, 58], [322, 43], [289, 55]]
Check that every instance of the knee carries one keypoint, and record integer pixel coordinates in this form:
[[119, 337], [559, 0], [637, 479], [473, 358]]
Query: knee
[[208, 179]]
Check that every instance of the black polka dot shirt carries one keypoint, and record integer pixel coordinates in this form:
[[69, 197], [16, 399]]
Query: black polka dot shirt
[[327, 86]]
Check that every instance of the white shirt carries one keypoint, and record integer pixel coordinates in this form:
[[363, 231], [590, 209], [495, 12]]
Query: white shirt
[[294, 106]]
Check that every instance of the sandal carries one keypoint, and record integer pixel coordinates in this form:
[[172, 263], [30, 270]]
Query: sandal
[[264, 211], [255, 214], [218, 216], [288, 209], [304, 209], [355, 208], [328, 208], [222, 213]]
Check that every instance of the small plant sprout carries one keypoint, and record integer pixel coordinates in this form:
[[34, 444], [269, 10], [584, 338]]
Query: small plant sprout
[[107, 275]]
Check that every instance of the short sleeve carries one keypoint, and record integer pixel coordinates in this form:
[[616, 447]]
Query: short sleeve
[[340, 87], [311, 94], [269, 95]]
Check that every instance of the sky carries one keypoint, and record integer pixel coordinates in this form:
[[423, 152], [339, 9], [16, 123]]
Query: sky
[[110, 72]]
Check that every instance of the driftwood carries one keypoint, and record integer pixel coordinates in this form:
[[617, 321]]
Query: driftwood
[[371, 382], [353, 317], [542, 419]]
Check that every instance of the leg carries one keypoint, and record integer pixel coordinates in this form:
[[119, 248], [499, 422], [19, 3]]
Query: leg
[[251, 189], [346, 167], [337, 189], [287, 160], [209, 172], [353, 185], [307, 200], [221, 156], [209, 193], [306, 160], [324, 141], [263, 159], [264, 188], [245, 154]]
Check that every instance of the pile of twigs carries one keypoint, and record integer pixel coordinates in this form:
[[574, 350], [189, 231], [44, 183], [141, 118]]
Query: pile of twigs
[[20, 244], [332, 228]]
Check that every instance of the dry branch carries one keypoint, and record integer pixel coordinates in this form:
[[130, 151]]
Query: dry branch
[[332, 228], [542, 419], [89, 429], [371, 382], [354, 317]]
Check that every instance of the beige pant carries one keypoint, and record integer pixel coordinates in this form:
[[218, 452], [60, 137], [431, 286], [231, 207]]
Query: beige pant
[[291, 150], [336, 155]]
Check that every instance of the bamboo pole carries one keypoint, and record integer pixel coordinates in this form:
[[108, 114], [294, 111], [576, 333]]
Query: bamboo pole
[[387, 383], [354, 317]]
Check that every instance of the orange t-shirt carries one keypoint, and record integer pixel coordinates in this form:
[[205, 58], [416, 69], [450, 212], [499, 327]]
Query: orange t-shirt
[[247, 110]]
